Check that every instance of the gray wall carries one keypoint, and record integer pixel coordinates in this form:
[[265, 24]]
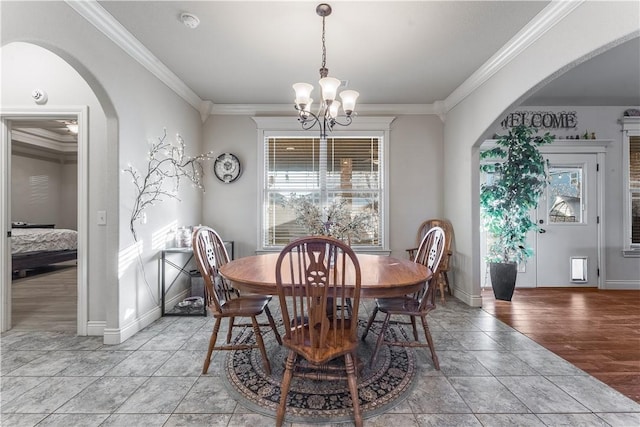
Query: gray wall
[[128, 106], [433, 165], [43, 191], [621, 272], [469, 122], [415, 185]]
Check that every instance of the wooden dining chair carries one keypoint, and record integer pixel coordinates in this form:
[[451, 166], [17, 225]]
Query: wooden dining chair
[[315, 277], [225, 302], [429, 253], [443, 277]]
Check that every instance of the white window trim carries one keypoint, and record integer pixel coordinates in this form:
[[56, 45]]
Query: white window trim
[[630, 127], [289, 127]]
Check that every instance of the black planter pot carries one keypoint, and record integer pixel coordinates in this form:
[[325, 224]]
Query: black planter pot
[[503, 279]]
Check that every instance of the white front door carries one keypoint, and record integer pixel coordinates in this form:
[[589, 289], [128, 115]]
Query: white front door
[[566, 248], [567, 244]]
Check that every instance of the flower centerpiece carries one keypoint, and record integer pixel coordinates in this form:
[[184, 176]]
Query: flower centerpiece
[[336, 220]]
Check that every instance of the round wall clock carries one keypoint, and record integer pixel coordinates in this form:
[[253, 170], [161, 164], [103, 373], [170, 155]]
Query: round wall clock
[[227, 167]]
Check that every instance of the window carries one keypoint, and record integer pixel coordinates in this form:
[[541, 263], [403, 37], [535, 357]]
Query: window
[[564, 195], [325, 171], [634, 188], [631, 156], [352, 167]]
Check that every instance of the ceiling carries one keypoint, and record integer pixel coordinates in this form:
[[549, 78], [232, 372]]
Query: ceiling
[[392, 52], [415, 53]]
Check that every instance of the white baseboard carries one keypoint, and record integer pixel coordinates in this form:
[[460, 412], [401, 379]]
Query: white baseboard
[[622, 285], [96, 327], [120, 335], [470, 300]]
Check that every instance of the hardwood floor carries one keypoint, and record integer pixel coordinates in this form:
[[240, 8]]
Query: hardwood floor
[[46, 301], [596, 330]]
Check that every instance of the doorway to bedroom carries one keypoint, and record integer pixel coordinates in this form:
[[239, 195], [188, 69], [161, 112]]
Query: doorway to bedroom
[[43, 181], [44, 200]]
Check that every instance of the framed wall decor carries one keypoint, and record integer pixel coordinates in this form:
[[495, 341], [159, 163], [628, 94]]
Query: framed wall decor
[[227, 167]]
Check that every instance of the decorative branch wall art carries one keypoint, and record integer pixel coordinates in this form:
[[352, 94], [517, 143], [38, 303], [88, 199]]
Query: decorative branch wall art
[[165, 162]]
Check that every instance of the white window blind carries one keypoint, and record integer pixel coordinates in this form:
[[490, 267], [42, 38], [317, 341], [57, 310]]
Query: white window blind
[[347, 168], [634, 187]]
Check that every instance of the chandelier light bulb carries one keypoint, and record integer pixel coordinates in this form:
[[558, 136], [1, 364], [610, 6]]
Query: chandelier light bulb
[[349, 98], [333, 109], [303, 94], [329, 87]]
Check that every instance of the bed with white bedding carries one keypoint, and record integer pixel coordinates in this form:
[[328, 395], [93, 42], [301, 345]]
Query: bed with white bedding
[[39, 247]]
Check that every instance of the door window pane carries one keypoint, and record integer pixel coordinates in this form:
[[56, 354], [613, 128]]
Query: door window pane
[[564, 195]]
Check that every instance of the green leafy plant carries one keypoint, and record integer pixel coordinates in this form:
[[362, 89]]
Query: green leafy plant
[[517, 176]]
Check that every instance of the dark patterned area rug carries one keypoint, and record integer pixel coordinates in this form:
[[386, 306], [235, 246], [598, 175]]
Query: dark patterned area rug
[[380, 388]]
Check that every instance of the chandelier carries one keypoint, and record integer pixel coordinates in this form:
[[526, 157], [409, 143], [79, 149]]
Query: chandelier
[[327, 115]]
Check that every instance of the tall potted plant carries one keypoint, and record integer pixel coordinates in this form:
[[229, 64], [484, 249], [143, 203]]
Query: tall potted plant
[[517, 176]]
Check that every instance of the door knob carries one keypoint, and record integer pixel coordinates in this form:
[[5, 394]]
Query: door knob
[[542, 231]]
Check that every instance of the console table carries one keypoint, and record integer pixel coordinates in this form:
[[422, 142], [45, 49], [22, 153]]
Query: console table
[[182, 268]]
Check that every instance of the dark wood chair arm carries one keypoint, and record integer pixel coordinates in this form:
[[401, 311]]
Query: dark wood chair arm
[[412, 253]]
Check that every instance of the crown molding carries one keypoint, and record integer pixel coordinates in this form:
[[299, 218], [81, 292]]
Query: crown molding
[[36, 154], [110, 27], [43, 142], [286, 123], [288, 109], [47, 134], [539, 25]]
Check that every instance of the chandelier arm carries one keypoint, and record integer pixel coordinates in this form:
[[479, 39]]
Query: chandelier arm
[[347, 121], [308, 120]]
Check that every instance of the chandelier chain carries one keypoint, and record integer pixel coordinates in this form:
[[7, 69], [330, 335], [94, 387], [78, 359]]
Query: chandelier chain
[[324, 49]]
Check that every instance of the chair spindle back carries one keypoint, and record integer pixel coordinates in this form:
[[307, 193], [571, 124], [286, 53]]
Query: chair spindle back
[[315, 277]]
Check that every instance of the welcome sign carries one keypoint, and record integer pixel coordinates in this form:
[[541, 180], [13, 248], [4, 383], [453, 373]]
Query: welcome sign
[[542, 119]]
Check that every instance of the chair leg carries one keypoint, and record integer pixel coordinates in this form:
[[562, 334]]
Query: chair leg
[[370, 322], [273, 324], [415, 329], [212, 343], [352, 380], [385, 325], [286, 383], [230, 331], [263, 350], [446, 279], [441, 286], [427, 334], [349, 308]]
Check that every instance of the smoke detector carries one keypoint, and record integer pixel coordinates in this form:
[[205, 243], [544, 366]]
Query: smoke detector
[[189, 20]]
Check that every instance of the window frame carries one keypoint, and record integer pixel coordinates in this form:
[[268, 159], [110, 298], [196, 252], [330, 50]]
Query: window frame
[[630, 128], [269, 127]]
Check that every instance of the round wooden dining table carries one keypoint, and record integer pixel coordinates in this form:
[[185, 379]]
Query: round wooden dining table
[[381, 276]]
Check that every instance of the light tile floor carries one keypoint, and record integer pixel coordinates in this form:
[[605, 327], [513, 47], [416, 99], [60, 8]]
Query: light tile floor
[[490, 375]]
